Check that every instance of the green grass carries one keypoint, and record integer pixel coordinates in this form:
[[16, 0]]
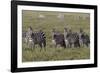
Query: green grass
[[53, 54], [30, 18]]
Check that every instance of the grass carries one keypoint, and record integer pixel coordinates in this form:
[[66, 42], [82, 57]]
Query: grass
[[30, 18], [53, 54]]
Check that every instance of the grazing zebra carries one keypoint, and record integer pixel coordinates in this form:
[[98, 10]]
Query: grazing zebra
[[58, 39]]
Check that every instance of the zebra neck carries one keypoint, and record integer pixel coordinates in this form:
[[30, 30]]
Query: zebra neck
[[65, 34]]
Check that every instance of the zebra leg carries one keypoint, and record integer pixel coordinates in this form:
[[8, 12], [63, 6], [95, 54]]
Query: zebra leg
[[54, 43], [78, 44], [63, 45], [67, 43], [44, 43], [81, 43], [87, 44], [70, 46], [33, 45], [40, 44], [28, 44]]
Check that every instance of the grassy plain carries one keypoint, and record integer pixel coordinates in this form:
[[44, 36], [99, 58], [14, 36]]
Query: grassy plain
[[47, 21]]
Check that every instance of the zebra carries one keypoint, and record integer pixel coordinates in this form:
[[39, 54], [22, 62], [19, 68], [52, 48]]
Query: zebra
[[87, 40], [58, 39], [75, 39], [81, 37], [28, 39], [32, 38], [84, 39], [39, 38], [71, 38]]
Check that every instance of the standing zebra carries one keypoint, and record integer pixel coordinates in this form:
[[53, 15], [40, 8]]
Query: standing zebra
[[28, 38], [83, 38], [58, 39], [39, 38], [71, 38], [33, 38]]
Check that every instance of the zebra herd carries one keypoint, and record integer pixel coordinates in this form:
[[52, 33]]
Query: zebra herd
[[68, 39], [71, 39], [32, 38]]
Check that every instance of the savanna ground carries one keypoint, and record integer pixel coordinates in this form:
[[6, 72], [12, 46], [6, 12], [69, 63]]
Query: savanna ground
[[47, 21]]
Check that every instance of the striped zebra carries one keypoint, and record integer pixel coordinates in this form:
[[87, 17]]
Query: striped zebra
[[28, 39], [35, 38], [84, 39], [39, 38], [58, 39], [71, 38]]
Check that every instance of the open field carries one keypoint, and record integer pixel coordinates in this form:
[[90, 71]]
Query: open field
[[52, 54], [47, 21]]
